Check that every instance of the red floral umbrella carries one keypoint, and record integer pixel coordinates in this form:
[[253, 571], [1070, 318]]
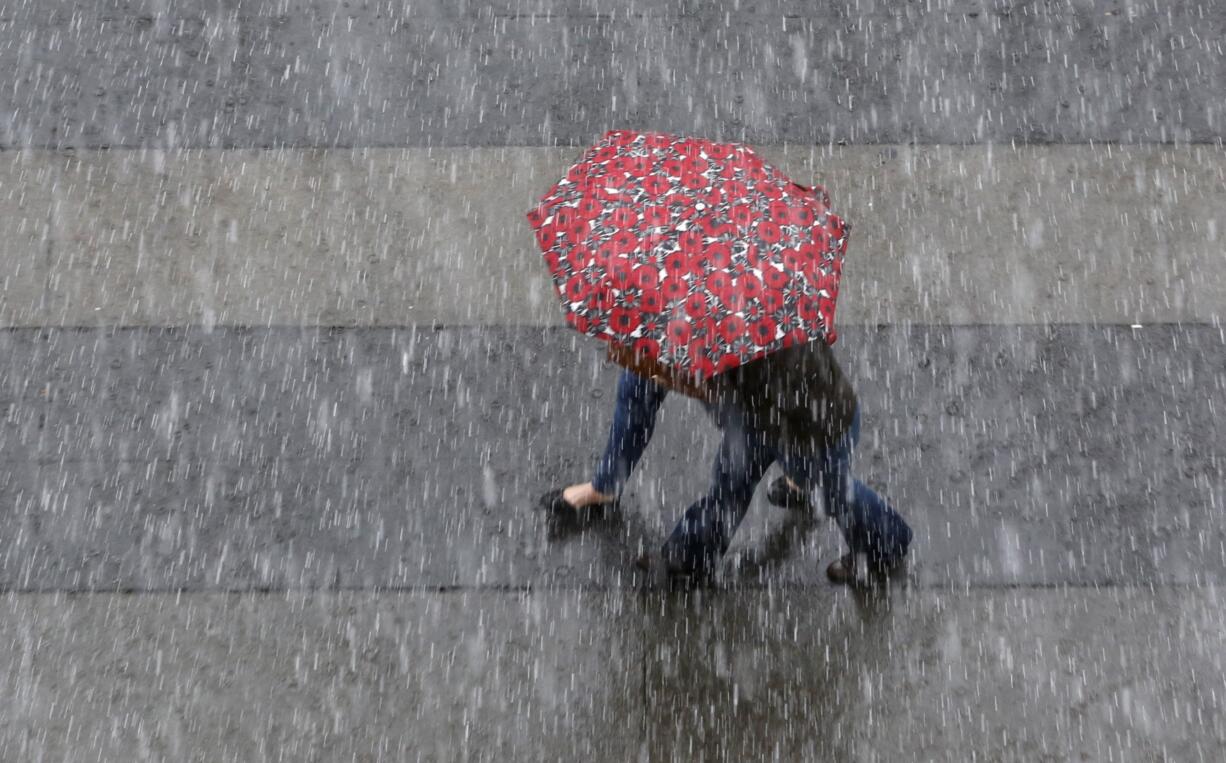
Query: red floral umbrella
[[696, 255]]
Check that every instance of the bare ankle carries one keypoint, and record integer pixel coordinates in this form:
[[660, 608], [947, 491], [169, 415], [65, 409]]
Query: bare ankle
[[584, 494]]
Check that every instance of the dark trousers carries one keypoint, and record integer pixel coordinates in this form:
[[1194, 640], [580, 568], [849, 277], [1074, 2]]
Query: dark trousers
[[869, 524]]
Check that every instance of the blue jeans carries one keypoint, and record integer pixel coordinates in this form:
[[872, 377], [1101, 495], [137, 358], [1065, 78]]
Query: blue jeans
[[634, 419], [869, 525]]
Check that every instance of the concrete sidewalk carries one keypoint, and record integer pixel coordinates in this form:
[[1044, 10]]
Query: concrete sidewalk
[[418, 236], [283, 378], [247, 544], [244, 74], [1023, 674], [241, 459], [317, 543]]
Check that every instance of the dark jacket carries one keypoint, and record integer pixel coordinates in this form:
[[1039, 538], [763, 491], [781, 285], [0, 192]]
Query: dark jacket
[[798, 396]]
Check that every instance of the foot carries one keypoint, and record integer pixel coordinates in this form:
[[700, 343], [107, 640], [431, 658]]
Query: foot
[[857, 570], [783, 492], [567, 517], [677, 576], [580, 496]]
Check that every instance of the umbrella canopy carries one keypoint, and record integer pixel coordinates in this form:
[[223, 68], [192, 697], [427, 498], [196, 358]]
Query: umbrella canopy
[[693, 255]]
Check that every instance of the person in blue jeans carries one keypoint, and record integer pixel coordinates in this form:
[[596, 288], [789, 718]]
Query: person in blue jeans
[[793, 407]]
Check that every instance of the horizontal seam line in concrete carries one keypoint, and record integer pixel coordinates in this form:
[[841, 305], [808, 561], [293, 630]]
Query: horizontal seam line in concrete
[[1219, 142], [144, 18], [1115, 585], [439, 326]]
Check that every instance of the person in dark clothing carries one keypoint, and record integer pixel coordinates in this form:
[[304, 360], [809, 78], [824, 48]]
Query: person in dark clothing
[[794, 407]]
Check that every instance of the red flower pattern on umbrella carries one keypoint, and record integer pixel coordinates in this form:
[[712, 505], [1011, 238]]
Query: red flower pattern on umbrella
[[656, 216], [679, 332], [651, 301], [696, 254], [674, 289], [763, 331]]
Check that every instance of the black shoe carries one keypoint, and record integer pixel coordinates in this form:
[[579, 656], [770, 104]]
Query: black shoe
[[858, 570], [564, 517], [677, 576], [780, 493]]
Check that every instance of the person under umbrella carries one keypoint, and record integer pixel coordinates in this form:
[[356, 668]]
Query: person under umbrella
[[709, 273], [794, 407]]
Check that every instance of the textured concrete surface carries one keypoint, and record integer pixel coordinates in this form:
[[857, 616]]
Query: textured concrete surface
[[238, 542], [818, 674], [224, 73], [941, 234], [312, 458]]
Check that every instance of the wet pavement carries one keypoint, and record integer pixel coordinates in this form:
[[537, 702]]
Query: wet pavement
[[815, 673], [282, 383], [321, 544], [411, 458], [544, 72]]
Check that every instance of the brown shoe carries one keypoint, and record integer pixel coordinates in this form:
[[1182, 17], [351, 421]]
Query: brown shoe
[[856, 570]]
